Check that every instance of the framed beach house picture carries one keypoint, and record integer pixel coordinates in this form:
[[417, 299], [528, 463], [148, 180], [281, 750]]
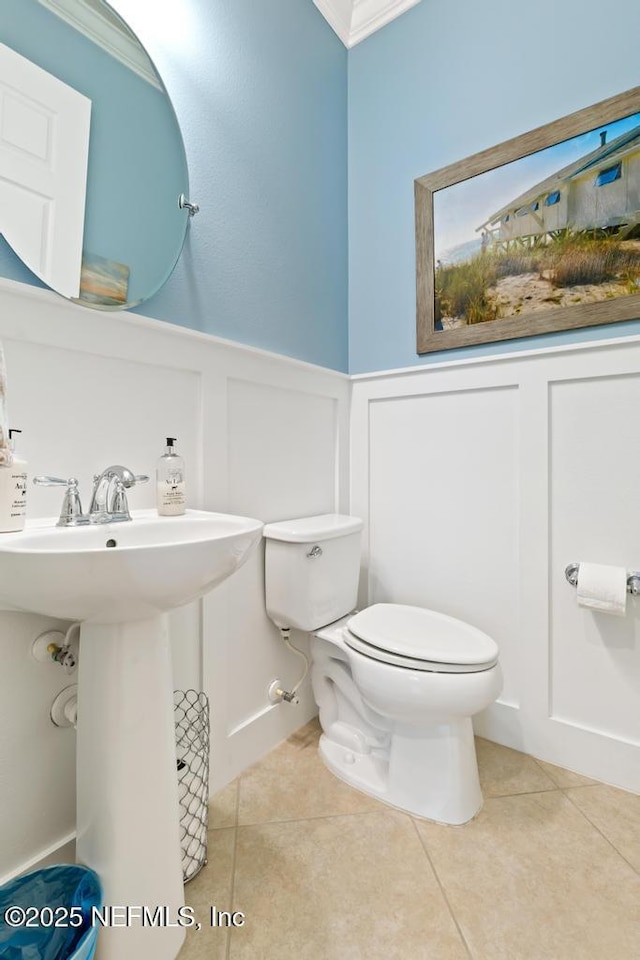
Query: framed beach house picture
[[538, 234]]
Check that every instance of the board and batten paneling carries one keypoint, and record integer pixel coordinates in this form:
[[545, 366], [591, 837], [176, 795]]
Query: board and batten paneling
[[282, 445], [594, 670], [287, 457], [479, 481], [444, 493], [262, 435]]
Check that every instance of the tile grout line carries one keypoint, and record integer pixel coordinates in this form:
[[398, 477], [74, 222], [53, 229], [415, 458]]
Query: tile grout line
[[232, 892], [576, 786], [539, 763], [519, 793], [384, 808], [598, 830], [519, 796], [584, 786], [442, 890]]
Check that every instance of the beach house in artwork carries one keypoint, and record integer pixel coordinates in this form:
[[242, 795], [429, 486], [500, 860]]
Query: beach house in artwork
[[599, 191]]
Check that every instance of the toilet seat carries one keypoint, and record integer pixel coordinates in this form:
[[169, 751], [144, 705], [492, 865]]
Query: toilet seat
[[420, 639]]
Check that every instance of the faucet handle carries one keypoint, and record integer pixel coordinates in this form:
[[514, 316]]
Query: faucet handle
[[119, 506], [71, 513], [53, 482], [129, 478]]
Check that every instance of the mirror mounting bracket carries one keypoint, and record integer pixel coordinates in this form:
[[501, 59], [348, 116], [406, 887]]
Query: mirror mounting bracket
[[184, 204]]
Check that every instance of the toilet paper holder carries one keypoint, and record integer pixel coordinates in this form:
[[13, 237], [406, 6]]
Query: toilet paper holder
[[633, 580]]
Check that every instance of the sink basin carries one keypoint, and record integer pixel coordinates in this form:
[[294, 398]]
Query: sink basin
[[120, 580], [117, 572]]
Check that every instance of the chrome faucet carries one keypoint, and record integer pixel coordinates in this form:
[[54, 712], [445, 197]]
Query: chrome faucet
[[108, 502]]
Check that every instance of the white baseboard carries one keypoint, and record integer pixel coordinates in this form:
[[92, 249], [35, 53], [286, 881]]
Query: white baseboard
[[64, 851]]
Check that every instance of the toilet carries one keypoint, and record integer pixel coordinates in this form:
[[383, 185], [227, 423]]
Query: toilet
[[396, 685]]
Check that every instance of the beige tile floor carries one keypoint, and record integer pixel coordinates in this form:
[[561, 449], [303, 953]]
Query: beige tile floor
[[549, 869]]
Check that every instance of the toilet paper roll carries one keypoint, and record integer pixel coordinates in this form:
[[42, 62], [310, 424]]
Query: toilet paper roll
[[602, 588]]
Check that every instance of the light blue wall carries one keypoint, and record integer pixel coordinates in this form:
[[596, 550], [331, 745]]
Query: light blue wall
[[447, 79], [260, 89]]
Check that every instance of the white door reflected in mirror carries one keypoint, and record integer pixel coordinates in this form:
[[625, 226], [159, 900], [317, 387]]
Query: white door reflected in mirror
[[134, 226], [44, 150]]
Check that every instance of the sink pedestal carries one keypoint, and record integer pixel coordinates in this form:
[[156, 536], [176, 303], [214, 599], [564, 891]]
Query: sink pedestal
[[128, 826], [119, 580]]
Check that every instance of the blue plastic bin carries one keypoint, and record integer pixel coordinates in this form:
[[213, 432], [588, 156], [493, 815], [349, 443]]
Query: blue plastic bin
[[59, 887]]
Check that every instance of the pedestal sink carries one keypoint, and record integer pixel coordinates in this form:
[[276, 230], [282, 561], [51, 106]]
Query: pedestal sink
[[120, 580]]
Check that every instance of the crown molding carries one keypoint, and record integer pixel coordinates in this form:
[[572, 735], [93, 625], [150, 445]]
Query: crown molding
[[338, 14], [353, 20]]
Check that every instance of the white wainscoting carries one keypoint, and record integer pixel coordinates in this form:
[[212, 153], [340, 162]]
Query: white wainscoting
[[479, 481], [262, 436]]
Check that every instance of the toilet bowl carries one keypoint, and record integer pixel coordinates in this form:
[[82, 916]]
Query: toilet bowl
[[403, 732], [396, 685]]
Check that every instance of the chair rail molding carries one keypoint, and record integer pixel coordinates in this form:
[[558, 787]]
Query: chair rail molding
[[354, 20]]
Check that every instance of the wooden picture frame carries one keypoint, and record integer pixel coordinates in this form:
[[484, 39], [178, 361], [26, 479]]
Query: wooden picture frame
[[548, 317]]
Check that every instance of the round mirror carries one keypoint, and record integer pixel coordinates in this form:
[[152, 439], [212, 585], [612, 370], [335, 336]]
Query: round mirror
[[129, 224]]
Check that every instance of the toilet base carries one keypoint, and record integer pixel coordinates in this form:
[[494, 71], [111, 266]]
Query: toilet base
[[429, 772]]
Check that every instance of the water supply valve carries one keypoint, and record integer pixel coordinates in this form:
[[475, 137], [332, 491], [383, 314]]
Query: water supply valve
[[278, 695], [53, 646], [62, 655]]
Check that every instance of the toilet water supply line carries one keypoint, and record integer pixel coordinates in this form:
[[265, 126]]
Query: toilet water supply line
[[291, 696]]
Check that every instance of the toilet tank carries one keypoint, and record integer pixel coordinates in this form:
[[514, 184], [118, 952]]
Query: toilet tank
[[312, 567]]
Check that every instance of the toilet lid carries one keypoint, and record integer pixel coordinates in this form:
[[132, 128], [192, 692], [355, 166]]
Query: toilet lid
[[395, 632]]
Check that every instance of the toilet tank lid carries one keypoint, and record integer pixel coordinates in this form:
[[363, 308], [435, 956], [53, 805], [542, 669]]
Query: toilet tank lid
[[311, 529]]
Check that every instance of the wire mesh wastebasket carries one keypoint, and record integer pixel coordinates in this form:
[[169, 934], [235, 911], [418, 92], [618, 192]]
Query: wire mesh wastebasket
[[191, 712]]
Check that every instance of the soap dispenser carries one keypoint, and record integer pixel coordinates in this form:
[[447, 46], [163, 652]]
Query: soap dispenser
[[170, 486], [13, 491]]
